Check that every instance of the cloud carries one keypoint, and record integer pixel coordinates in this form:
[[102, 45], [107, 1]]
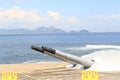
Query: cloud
[[20, 18], [73, 19], [16, 14], [113, 16], [54, 15]]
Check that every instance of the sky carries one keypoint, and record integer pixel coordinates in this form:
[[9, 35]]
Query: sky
[[69, 15]]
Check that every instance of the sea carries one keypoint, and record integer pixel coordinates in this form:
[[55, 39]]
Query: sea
[[16, 48]]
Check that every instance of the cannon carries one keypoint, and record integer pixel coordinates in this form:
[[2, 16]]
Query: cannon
[[64, 56]]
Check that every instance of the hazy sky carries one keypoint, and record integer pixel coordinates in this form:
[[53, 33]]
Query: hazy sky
[[93, 15]]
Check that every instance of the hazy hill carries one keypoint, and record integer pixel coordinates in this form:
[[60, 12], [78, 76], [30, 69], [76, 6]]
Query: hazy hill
[[84, 31], [14, 31], [47, 30], [40, 30], [81, 31]]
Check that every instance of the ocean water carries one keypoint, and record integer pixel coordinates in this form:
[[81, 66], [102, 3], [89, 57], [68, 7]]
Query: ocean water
[[17, 48]]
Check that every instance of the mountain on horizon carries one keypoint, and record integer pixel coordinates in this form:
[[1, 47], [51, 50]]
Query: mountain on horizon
[[40, 30]]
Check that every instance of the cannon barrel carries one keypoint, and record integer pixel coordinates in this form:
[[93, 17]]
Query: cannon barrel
[[40, 49], [64, 56], [37, 49]]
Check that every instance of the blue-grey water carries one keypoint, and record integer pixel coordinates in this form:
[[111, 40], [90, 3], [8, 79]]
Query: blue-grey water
[[17, 48]]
